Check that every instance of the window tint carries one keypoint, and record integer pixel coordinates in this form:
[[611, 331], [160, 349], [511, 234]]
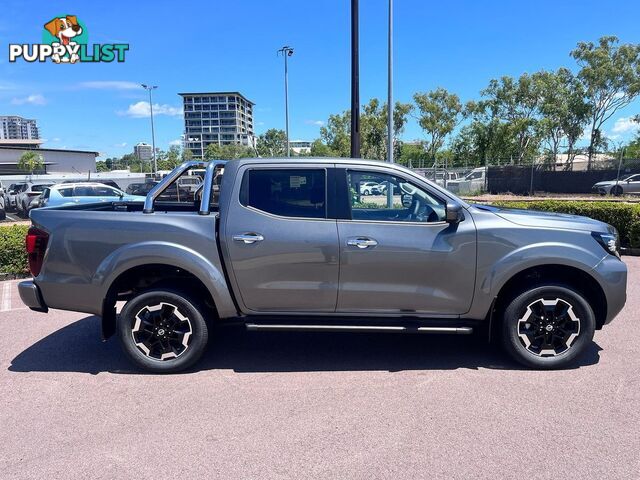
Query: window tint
[[105, 192], [83, 191], [38, 188], [286, 192], [408, 202], [66, 192]]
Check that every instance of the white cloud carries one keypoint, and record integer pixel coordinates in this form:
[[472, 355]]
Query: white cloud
[[33, 99], [625, 124], [317, 123], [120, 145], [55, 139], [175, 142], [142, 110], [111, 85]]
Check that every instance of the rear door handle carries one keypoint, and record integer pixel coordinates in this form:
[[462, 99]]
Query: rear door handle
[[248, 238], [362, 242]]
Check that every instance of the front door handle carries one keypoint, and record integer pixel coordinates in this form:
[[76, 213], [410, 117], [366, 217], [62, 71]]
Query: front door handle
[[362, 242], [248, 238]]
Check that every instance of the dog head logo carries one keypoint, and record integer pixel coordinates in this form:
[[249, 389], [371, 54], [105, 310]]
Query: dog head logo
[[66, 30]]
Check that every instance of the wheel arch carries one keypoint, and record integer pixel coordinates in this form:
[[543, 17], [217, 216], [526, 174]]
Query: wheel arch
[[537, 275], [151, 264]]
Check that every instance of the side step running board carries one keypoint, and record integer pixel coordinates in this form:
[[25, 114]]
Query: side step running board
[[357, 328]]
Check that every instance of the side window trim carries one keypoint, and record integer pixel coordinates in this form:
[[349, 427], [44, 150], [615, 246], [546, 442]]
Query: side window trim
[[245, 184]]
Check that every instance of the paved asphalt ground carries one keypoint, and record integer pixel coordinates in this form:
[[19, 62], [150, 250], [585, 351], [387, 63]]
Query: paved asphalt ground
[[344, 406]]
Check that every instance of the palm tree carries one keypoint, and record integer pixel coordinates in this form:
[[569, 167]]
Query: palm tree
[[31, 161]]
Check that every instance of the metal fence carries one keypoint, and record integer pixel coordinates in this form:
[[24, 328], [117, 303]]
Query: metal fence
[[504, 177]]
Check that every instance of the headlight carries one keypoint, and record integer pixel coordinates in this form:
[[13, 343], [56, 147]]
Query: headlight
[[609, 241]]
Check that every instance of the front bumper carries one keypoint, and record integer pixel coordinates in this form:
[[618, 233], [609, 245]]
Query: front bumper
[[612, 276], [31, 296]]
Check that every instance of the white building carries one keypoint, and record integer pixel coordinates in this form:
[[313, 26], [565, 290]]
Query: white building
[[143, 151], [300, 147], [13, 127], [55, 160]]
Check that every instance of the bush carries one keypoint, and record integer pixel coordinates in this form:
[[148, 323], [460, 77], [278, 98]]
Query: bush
[[13, 258], [624, 216]]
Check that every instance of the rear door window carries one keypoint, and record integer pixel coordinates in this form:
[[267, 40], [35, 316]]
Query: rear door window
[[83, 191], [297, 192]]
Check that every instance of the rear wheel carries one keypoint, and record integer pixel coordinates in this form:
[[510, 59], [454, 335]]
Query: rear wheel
[[162, 331], [547, 326]]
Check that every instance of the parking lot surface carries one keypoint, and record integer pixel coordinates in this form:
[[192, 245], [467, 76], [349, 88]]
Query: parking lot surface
[[293, 405]]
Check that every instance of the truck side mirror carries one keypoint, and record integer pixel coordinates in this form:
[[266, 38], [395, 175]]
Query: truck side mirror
[[453, 213]]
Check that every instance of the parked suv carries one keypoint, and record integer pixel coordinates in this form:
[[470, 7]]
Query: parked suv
[[27, 194], [287, 244]]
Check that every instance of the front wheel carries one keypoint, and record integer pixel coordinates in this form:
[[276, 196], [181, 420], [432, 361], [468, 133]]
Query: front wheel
[[162, 331], [548, 326], [616, 190]]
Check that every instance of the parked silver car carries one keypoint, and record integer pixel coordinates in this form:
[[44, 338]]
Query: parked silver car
[[626, 184]]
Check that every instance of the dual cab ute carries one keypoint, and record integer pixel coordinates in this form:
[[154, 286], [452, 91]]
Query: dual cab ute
[[283, 244]]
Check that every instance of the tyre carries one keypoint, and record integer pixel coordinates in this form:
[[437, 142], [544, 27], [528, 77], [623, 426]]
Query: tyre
[[547, 326], [616, 190], [366, 193], [162, 331]]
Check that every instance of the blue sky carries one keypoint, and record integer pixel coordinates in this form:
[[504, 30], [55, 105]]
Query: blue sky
[[231, 45]]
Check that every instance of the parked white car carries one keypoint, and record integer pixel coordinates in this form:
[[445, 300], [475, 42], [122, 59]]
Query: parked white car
[[371, 188], [29, 191]]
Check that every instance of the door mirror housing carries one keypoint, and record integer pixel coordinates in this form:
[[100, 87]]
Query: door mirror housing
[[453, 213]]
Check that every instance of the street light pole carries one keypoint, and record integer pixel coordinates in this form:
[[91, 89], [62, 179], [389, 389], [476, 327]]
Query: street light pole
[[355, 82], [286, 52], [149, 88], [390, 103]]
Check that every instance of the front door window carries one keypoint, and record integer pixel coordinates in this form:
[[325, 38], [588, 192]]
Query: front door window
[[370, 199]]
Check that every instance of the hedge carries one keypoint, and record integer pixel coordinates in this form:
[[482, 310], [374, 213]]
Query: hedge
[[624, 216], [13, 258]]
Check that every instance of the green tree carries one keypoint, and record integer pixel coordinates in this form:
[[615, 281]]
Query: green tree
[[187, 155], [31, 161], [610, 75], [516, 103], [336, 134], [171, 159], [411, 154], [272, 143], [101, 166], [319, 149], [228, 152], [440, 112], [564, 113]]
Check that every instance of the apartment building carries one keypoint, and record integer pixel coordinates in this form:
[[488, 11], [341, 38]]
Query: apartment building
[[18, 128], [223, 118]]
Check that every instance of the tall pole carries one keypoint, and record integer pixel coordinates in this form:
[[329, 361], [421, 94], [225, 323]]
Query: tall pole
[[286, 51], [390, 88], [355, 82], [153, 133], [390, 102], [286, 101]]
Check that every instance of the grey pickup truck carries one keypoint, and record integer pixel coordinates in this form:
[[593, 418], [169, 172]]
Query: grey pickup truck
[[280, 244]]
